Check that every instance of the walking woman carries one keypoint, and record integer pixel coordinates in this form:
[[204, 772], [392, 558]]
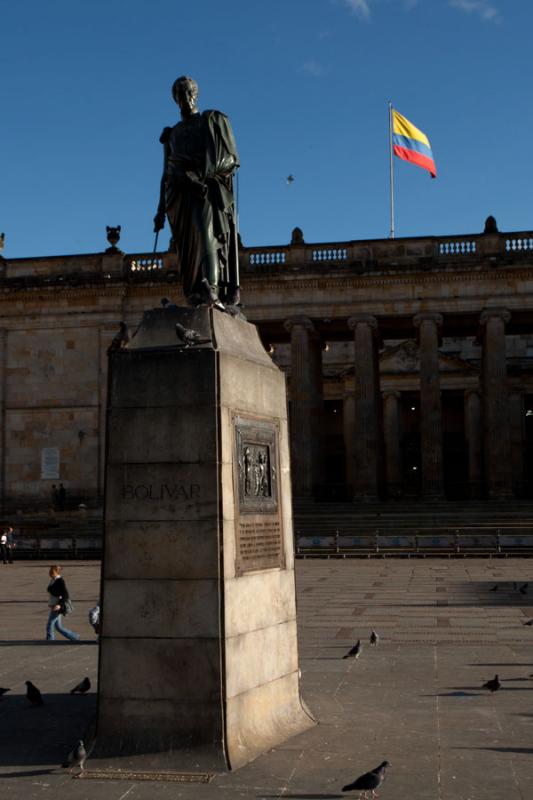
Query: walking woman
[[58, 593]]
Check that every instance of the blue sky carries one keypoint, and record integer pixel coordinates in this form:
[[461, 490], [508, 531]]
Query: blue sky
[[85, 92]]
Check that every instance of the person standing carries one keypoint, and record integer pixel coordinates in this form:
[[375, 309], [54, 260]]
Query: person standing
[[4, 551], [61, 497], [10, 543], [58, 594]]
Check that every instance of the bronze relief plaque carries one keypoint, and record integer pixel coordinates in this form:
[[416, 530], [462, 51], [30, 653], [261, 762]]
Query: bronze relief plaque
[[257, 504]]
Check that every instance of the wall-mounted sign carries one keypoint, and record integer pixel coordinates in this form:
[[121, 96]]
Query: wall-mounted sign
[[50, 463]]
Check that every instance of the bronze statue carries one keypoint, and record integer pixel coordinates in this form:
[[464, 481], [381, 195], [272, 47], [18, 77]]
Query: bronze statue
[[197, 197]]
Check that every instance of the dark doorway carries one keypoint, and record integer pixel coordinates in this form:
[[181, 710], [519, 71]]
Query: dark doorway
[[454, 445], [410, 443], [334, 486], [527, 490]]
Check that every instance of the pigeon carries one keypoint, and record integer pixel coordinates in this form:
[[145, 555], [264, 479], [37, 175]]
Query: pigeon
[[189, 338], [355, 650], [492, 685], [33, 694], [374, 639], [368, 782], [76, 758], [494, 588], [121, 339], [210, 295], [529, 622], [523, 589], [82, 687], [3, 691], [290, 179]]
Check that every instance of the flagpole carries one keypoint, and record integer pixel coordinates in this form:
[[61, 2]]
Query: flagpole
[[391, 235]]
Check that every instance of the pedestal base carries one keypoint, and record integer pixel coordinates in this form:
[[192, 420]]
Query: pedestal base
[[198, 658]]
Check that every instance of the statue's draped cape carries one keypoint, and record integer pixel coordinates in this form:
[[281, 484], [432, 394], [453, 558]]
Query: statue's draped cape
[[201, 156]]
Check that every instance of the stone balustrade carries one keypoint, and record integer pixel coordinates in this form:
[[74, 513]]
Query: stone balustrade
[[360, 256]]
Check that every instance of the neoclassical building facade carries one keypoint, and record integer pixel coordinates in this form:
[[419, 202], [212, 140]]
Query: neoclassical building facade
[[409, 363]]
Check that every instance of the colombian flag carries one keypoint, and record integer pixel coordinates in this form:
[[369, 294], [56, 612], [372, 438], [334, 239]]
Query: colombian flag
[[411, 144]]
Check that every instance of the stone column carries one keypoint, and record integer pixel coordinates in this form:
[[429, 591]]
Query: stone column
[[3, 359], [348, 419], [473, 434], [367, 428], [391, 430], [516, 415], [306, 406], [430, 406], [496, 427]]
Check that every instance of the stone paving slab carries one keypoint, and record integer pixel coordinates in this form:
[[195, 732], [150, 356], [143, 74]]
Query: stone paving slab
[[414, 700]]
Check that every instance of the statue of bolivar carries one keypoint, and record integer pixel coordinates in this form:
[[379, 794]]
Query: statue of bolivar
[[197, 198]]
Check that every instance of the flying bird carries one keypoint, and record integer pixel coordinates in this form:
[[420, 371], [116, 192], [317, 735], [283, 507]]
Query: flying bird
[[523, 589], [494, 588], [187, 337], [82, 687], [76, 758], [3, 691], [492, 685], [374, 639], [355, 650], [33, 694], [290, 179], [529, 622], [368, 782]]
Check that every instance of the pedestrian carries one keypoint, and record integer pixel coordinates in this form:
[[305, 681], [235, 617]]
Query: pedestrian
[[61, 497], [54, 497], [4, 551], [10, 543], [58, 595]]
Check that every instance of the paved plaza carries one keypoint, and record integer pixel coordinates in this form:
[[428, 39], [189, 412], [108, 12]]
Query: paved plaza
[[414, 700]]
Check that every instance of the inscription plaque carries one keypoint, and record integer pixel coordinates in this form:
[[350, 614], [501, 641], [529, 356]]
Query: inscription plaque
[[258, 518]]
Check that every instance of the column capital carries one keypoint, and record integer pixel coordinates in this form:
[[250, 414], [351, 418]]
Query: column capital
[[301, 321], [494, 313], [391, 393], [362, 319], [427, 316]]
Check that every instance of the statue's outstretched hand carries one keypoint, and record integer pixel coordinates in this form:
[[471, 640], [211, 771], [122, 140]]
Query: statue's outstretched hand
[[159, 221]]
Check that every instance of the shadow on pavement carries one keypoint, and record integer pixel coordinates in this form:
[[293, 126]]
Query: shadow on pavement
[[304, 796], [30, 773], [525, 750], [43, 642], [44, 735], [501, 664]]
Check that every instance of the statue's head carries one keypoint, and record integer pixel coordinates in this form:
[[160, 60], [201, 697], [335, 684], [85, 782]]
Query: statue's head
[[185, 94]]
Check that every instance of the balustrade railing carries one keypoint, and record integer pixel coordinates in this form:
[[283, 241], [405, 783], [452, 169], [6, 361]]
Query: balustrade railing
[[457, 247], [362, 256]]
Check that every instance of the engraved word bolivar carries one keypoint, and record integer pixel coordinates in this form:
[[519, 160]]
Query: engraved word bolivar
[[161, 491]]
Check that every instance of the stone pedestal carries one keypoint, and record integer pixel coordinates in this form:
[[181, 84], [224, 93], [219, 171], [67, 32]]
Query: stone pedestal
[[198, 662]]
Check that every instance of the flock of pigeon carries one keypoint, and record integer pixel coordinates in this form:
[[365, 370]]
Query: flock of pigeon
[[77, 756], [372, 780]]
